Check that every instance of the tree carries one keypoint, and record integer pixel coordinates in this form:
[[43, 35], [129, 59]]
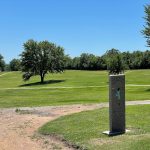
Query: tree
[[101, 63], [88, 61], [7, 67], [39, 58], [114, 62], [126, 57], [146, 60], [76, 63], [136, 60], [146, 31], [15, 65], [68, 62], [2, 63]]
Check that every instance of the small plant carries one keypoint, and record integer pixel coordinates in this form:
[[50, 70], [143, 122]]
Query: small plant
[[17, 110]]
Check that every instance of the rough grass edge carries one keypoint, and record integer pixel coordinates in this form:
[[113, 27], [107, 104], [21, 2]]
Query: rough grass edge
[[63, 140]]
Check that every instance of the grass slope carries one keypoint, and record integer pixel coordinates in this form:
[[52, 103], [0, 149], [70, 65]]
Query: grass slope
[[14, 92], [85, 129]]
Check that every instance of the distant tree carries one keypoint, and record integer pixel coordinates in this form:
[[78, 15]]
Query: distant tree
[[114, 62], [126, 57], [146, 31], [15, 65], [76, 63], [7, 67], [136, 60], [84, 61], [39, 58], [67, 62], [88, 61], [92, 65], [146, 60], [2, 63], [101, 63]]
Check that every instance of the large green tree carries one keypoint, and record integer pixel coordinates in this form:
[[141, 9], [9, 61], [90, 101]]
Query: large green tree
[[146, 30], [39, 58], [2, 63]]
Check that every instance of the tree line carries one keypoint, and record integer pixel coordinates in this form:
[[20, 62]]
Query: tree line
[[86, 61], [131, 60]]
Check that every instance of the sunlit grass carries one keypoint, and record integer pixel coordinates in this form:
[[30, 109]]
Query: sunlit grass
[[85, 129], [14, 92]]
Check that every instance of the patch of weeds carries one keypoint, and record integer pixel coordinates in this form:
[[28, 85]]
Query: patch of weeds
[[17, 110], [22, 111], [46, 142], [55, 147]]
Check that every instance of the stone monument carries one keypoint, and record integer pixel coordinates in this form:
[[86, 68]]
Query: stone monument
[[116, 105]]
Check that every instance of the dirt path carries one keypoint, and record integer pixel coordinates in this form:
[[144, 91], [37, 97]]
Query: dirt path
[[18, 129]]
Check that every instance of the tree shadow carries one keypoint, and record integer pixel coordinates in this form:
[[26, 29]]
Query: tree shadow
[[44, 83], [147, 90]]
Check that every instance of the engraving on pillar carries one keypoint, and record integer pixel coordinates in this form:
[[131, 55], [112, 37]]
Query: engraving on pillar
[[118, 93]]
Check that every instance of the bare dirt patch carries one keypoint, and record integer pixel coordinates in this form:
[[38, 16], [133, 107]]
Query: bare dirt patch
[[18, 127]]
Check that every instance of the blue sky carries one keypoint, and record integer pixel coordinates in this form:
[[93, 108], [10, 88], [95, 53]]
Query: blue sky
[[91, 26]]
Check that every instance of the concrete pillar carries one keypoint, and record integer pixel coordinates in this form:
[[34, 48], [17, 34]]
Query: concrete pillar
[[116, 104]]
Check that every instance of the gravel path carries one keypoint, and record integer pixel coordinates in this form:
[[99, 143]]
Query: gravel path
[[18, 129]]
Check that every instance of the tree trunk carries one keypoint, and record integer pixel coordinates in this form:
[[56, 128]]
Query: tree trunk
[[42, 77]]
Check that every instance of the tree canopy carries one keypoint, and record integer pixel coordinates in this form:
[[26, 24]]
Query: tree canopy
[[114, 62], [146, 30], [2, 63], [15, 65], [39, 58]]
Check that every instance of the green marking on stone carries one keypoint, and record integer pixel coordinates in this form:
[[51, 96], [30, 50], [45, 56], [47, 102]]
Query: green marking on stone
[[118, 94]]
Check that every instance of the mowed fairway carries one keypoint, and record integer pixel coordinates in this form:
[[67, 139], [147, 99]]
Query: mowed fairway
[[70, 87]]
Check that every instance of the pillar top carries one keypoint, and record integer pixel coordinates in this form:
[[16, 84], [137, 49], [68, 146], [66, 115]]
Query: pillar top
[[113, 75]]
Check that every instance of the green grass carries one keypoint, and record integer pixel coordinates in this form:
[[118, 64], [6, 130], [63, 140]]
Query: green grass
[[85, 129], [68, 78], [14, 92]]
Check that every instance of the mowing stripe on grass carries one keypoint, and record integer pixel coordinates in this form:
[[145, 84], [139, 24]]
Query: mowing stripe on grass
[[68, 87], [4, 74], [63, 87], [136, 85]]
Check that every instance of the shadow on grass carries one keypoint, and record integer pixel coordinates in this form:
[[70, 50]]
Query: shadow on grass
[[44, 83], [148, 90]]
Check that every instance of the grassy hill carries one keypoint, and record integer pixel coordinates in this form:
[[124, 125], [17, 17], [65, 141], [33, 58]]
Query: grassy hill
[[70, 87]]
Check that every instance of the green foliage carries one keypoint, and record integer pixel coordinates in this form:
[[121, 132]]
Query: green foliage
[[84, 129], [146, 60], [68, 62], [87, 61], [26, 76], [146, 30], [15, 65], [7, 67], [101, 63], [135, 60], [2, 63], [76, 63], [114, 62], [39, 58]]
